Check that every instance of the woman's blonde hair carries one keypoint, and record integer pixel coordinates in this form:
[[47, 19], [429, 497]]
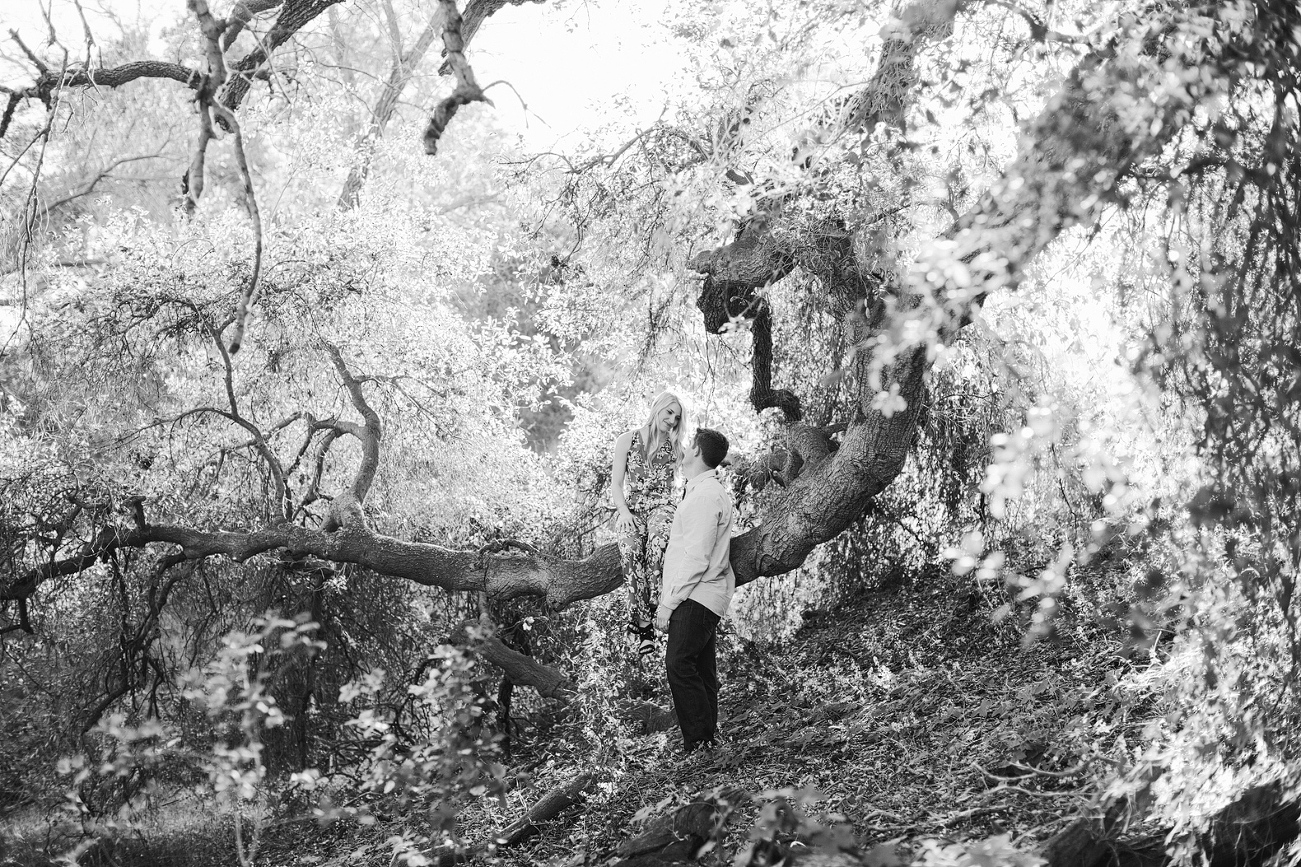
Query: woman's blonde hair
[[650, 435]]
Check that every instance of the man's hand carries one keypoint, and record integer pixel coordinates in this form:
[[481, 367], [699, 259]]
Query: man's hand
[[662, 619]]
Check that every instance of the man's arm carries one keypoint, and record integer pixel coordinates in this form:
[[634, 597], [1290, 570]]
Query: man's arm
[[700, 534]]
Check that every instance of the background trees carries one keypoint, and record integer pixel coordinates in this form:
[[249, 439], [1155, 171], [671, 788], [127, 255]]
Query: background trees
[[1006, 286]]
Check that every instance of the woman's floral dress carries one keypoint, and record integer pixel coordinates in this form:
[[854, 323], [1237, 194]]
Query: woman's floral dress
[[649, 495]]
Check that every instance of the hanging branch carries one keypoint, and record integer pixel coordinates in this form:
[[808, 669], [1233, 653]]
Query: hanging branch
[[467, 89], [212, 31], [249, 296]]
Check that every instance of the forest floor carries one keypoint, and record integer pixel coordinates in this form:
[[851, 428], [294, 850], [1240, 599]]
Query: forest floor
[[905, 717]]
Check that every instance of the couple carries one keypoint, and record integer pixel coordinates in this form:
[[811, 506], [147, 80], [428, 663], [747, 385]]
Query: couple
[[676, 559]]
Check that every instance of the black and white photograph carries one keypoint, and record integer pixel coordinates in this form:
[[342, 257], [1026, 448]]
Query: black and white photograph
[[598, 433]]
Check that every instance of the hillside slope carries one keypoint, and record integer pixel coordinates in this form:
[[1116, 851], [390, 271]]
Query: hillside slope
[[906, 715]]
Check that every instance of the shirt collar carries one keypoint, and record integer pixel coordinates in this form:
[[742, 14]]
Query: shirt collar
[[707, 474]]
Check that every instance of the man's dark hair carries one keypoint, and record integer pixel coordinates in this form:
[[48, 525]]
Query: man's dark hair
[[712, 445]]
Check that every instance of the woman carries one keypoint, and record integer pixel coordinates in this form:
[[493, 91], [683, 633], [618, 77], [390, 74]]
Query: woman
[[641, 485]]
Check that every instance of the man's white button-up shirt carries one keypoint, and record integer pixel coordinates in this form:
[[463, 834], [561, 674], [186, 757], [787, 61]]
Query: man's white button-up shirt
[[696, 561]]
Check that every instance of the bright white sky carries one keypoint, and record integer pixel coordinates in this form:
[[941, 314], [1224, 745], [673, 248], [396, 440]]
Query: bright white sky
[[564, 62], [567, 65]]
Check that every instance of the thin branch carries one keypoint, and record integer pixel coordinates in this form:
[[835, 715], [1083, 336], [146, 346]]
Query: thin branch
[[85, 28], [313, 491], [104, 174], [404, 66], [258, 441], [31, 55], [294, 15]]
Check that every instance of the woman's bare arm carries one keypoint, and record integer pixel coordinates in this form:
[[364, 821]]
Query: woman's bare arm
[[624, 520]]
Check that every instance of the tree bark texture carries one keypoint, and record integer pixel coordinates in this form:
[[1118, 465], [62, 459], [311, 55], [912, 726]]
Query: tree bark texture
[[557, 581], [294, 15]]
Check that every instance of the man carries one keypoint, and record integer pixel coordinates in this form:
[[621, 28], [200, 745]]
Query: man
[[698, 585]]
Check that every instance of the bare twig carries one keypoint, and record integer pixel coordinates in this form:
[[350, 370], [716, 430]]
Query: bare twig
[[105, 173], [40, 65]]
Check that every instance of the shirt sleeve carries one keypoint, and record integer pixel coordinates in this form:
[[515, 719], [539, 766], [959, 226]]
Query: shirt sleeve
[[700, 533]]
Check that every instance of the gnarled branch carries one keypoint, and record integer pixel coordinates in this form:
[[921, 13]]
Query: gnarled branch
[[348, 507], [467, 89]]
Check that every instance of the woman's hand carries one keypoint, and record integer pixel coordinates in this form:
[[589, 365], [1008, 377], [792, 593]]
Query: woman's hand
[[625, 523]]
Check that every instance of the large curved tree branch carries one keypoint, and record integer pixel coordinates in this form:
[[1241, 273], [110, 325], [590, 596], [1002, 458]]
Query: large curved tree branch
[[476, 12], [49, 81], [558, 582], [1074, 155], [759, 256], [294, 15], [244, 12]]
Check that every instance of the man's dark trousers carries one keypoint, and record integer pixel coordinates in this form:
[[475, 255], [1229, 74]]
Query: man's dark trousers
[[693, 672]]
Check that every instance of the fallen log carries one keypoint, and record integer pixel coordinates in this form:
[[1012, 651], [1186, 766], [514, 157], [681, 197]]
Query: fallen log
[[548, 807]]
